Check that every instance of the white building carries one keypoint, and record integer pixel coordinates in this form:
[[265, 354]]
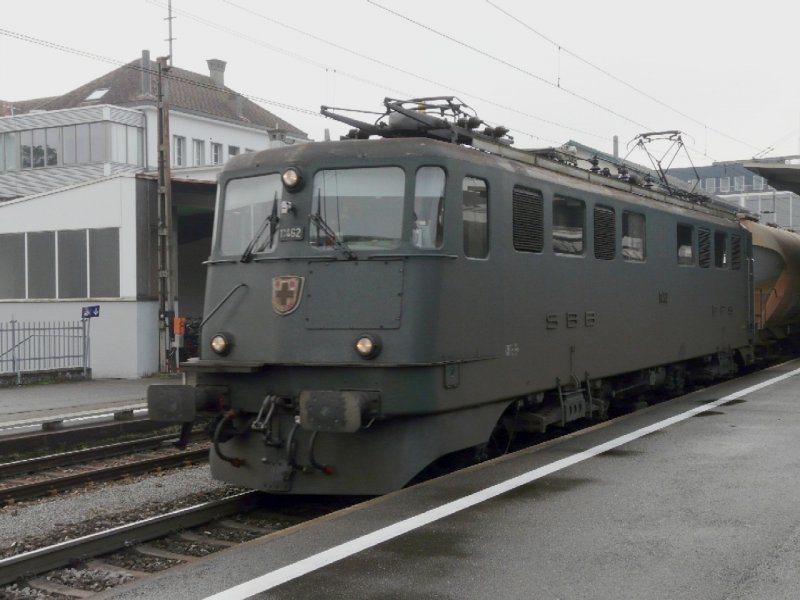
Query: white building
[[78, 201]]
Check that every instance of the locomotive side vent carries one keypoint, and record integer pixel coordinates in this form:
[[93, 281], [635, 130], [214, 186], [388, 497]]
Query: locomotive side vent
[[704, 243], [736, 252], [605, 233], [528, 217]]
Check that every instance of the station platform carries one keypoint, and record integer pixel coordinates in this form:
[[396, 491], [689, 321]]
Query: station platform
[[694, 498], [28, 404]]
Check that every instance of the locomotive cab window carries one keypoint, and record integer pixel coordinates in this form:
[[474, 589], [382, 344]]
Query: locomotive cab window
[[569, 223], [429, 208], [247, 204], [475, 215], [720, 249], [362, 208], [685, 244], [634, 246]]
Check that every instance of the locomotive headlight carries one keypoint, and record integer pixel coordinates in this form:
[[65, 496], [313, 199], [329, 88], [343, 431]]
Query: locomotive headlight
[[221, 343], [368, 346], [292, 179]]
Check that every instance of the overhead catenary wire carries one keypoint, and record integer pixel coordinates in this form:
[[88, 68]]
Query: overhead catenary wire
[[374, 60], [523, 71], [630, 86]]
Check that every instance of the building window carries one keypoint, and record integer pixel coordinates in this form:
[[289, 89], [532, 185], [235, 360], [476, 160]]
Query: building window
[[38, 148], [528, 219], [77, 263], [249, 150], [685, 244], [199, 152], [97, 94], [724, 184], [9, 151], [179, 151], [738, 183], [104, 263], [216, 153], [12, 266], [758, 183], [475, 216], [72, 267], [25, 149], [233, 151], [605, 233], [82, 144], [97, 142], [634, 238], [42, 264], [428, 231], [569, 218], [711, 185], [68, 155]]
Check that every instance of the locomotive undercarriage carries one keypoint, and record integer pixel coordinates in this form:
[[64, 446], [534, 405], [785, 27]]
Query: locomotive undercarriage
[[276, 454], [332, 442]]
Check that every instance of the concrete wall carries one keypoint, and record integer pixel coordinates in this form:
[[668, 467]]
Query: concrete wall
[[125, 337]]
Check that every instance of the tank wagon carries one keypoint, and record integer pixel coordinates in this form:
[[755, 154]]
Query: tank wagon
[[375, 304]]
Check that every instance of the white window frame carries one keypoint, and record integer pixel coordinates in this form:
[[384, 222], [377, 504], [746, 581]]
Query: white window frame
[[216, 153], [199, 152], [179, 151]]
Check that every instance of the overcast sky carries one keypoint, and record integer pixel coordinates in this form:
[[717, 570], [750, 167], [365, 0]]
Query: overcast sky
[[723, 73]]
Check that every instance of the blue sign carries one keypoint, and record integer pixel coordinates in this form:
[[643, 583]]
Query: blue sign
[[87, 312]]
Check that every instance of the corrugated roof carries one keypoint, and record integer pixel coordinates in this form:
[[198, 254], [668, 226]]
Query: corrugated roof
[[187, 91]]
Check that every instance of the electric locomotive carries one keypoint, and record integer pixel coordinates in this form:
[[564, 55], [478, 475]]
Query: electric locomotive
[[373, 305]]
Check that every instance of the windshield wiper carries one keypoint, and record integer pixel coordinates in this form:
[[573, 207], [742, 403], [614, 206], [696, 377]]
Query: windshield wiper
[[320, 223], [271, 220]]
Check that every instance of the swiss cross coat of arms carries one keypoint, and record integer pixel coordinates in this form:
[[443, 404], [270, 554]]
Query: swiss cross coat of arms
[[287, 292]]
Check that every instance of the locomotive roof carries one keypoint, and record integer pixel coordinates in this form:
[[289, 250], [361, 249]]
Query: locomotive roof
[[407, 147]]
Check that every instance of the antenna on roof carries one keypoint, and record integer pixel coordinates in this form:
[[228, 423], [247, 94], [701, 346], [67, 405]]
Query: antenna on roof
[[170, 39]]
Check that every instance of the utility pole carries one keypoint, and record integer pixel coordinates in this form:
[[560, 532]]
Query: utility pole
[[170, 39], [165, 287]]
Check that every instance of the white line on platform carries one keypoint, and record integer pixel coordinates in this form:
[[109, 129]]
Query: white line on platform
[[347, 549]]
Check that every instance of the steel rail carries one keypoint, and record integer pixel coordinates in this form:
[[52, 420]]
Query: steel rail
[[58, 555], [63, 459], [28, 491]]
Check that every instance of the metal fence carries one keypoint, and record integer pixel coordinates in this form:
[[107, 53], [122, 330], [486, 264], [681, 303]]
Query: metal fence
[[43, 346]]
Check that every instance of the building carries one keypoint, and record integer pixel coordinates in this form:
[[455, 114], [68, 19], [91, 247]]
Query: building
[[79, 201], [743, 186]]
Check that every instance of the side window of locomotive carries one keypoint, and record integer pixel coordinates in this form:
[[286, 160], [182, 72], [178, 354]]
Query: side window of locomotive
[[429, 208], [634, 238], [569, 223], [720, 249], [605, 233], [475, 215], [528, 219], [246, 206], [704, 247], [685, 245], [736, 252], [362, 208]]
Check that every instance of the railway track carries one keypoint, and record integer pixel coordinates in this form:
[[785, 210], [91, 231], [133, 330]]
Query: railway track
[[94, 562], [43, 476]]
